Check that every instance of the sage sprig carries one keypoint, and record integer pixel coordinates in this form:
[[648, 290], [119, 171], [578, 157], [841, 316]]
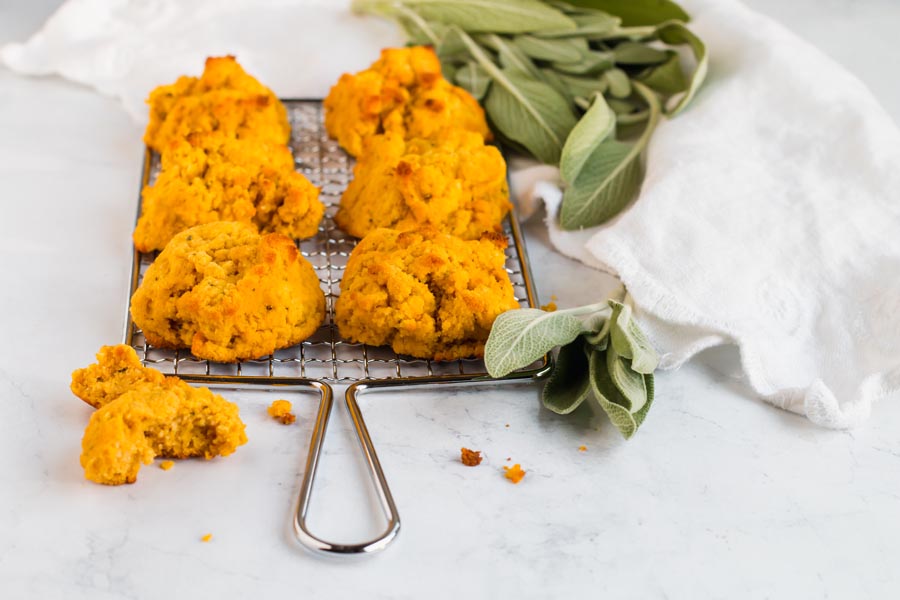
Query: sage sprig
[[603, 355], [540, 68]]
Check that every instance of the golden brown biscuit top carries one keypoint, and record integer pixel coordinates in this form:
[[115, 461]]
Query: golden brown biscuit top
[[225, 99], [402, 92], [453, 182], [424, 292], [212, 177]]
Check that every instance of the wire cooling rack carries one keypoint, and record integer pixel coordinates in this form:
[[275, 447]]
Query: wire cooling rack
[[325, 357]]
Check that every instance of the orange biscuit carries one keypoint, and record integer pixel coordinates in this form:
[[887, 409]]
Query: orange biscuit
[[142, 414], [456, 184], [224, 98], [424, 293], [228, 294], [403, 92], [211, 177]]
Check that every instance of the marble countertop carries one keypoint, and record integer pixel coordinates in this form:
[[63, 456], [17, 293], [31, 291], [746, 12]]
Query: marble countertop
[[718, 496]]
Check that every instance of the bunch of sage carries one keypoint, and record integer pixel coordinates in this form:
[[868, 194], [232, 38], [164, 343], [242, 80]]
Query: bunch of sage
[[570, 85], [603, 354]]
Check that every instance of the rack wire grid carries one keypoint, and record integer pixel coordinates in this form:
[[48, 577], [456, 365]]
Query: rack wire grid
[[325, 356]]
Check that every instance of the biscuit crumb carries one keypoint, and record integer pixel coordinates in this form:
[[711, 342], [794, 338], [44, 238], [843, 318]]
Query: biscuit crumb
[[549, 307], [280, 410], [508, 458], [166, 465], [507, 425], [582, 448], [206, 537], [470, 458], [514, 473]]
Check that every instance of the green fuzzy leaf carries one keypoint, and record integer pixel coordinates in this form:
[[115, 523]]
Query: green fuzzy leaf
[[554, 80], [473, 79], [667, 78], [501, 16], [531, 113], [528, 112], [585, 87], [609, 397], [597, 124], [511, 57], [552, 50], [609, 178], [520, 337], [629, 341], [674, 33], [569, 383], [630, 383], [590, 63], [619, 84], [418, 30], [638, 12], [636, 53], [640, 415], [588, 26]]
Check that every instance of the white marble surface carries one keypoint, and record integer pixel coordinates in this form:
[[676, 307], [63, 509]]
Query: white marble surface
[[719, 495]]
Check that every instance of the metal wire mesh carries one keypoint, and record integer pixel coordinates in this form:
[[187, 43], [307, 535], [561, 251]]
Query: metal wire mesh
[[325, 355]]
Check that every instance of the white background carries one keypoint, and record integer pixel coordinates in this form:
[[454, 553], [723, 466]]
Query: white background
[[718, 496]]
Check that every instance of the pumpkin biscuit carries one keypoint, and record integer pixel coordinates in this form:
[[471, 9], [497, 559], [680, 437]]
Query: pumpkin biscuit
[[225, 98], [403, 92], [228, 293], [143, 414], [456, 184], [424, 293], [211, 177]]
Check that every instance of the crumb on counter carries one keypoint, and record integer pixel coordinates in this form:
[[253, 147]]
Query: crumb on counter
[[508, 458], [206, 538], [166, 465], [507, 425], [280, 410], [470, 458], [514, 473], [549, 307], [582, 448]]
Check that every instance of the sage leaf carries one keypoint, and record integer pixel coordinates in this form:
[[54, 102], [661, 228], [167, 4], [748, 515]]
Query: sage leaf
[[629, 382], [638, 12], [511, 57], [619, 84], [559, 50], [520, 337], [609, 178], [530, 113], [674, 33], [569, 383], [608, 396], [629, 341], [473, 79], [636, 53], [420, 31], [554, 80], [597, 124], [640, 415], [591, 62], [606, 184], [501, 16], [583, 86], [667, 78], [588, 26]]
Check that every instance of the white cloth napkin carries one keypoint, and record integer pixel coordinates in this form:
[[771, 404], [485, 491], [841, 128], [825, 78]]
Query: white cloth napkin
[[768, 216], [125, 48]]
